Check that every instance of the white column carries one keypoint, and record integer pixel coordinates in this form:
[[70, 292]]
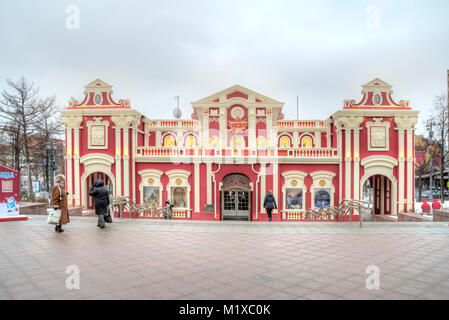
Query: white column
[[401, 181], [348, 161], [295, 139], [134, 153], [410, 169], [69, 173], [158, 138], [197, 186], [118, 162], [275, 183], [317, 139], [208, 183], [76, 158], [126, 185], [205, 130], [340, 166], [263, 185], [356, 164], [252, 128], [223, 131], [147, 136]]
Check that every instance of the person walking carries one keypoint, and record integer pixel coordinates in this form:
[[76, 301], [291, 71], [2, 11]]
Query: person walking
[[269, 203], [101, 199], [59, 201], [168, 212]]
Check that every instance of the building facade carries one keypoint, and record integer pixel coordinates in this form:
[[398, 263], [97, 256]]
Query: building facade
[[236, 147]]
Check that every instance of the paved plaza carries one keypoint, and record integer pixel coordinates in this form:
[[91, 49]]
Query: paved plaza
[[147, 259]]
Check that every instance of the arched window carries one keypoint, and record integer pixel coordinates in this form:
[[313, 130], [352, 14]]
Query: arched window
[[169, 141], [190, 141], [284, 142], [213, 141], [261, 142], [306, 142], [237, 141]]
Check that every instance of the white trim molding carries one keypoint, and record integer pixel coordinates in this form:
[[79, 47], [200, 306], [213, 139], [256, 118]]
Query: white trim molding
[[146, 175], [322, 180], [381, 165], [293, 179]]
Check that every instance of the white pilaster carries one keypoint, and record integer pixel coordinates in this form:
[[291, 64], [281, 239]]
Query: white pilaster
[[252, 128], [275, 167], [318, 139], [77, 175], [348, 161], [197, 186], [295, 139], [118, 162], [126, 185], [69, 173], [158, 138], [263, 184], [208, 183], [401, 179]]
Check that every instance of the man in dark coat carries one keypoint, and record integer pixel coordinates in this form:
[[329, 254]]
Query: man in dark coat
[[269, 203], [101, 198]]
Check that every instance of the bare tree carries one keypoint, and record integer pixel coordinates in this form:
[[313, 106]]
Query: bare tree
[[48, 129], [18, 108], [423, 152], [440, 119]]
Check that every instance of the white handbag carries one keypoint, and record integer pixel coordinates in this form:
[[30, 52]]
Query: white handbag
[[54, 215]]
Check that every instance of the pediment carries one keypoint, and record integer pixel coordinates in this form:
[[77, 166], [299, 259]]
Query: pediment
[[237, 92]]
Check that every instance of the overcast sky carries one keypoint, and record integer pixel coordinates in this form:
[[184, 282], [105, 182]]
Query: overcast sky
[[151, 51]]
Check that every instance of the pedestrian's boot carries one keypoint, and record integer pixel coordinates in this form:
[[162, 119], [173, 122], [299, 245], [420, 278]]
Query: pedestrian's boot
[[101, 222], [60, 228], [56, 228]]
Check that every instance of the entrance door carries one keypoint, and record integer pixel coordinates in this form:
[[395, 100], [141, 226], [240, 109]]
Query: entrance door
[[235, 204], [236, 197]]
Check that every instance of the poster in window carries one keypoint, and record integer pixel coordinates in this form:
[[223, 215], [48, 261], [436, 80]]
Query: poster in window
[[322, 197], [179, 197], [7, 186], [151, 194], [293, 198]]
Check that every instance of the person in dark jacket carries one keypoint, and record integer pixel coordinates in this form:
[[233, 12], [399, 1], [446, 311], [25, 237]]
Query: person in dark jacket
[[269, 203], [101, 198]]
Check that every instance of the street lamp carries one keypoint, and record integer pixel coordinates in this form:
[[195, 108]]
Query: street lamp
[[51, 155]]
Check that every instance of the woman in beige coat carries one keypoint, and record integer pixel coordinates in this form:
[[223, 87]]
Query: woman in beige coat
[[59, 201]]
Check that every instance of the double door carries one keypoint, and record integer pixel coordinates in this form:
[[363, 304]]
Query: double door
[[236, 204]]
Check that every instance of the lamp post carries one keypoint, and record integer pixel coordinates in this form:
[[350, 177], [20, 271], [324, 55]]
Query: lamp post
[[52, 167]]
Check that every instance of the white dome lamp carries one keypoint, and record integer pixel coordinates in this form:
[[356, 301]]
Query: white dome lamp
[[177, 113]]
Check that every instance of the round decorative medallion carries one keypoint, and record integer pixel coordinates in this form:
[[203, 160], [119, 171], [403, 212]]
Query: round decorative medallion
[[178, 181], [151, 181], [294, 183], [98, 99], [237, 113], [322, 183], [377, 99]]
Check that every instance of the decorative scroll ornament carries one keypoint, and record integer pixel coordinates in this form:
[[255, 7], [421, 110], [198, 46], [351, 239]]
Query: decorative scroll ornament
[[236, 181], [238, 126]]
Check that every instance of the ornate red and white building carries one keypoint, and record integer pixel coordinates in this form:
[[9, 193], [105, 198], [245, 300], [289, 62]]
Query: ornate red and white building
[[236, 147]]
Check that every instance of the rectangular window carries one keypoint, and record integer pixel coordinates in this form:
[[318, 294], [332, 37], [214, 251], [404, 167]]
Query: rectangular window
[[293, 198], [322, 197], [179, 197], [151, 194], [7, 185]]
